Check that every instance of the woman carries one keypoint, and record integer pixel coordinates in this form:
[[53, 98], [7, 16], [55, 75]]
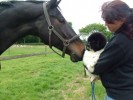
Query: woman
[[115, 64]]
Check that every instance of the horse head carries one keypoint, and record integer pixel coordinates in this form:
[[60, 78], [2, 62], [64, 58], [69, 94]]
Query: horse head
[[61, 35], [43, 19]]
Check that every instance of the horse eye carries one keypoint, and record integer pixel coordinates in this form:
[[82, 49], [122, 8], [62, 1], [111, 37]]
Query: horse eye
[[62, 20]]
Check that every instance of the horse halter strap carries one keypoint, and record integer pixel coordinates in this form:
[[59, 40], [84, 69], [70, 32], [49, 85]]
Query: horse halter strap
[[51, 29]]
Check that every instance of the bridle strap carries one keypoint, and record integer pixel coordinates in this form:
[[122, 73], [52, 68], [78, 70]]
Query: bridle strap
[[0, 64], [51, 29]]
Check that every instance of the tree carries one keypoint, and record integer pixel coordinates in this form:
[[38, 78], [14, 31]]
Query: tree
[[95, 27], [70, 23]]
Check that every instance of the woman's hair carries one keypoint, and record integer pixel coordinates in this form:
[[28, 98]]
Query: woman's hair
[[118, 10]]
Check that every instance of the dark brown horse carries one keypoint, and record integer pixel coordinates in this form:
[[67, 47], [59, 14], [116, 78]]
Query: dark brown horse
[[43, 19]]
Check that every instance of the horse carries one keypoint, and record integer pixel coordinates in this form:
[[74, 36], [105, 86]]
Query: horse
[[39, 18]]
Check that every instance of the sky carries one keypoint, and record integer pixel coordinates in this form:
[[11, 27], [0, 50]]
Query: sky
[[84, 12]]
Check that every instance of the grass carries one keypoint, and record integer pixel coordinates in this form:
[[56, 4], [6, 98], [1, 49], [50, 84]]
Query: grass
[[45, 77]]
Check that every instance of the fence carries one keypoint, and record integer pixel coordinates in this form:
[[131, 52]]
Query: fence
[[3, 58], [23, 56]]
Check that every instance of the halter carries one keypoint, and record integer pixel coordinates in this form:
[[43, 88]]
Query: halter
[[51, 29]]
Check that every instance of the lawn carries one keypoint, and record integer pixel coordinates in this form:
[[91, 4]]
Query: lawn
[[45, 77]]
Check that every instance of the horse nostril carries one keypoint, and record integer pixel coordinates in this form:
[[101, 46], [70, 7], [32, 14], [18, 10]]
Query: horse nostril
[[75, 58]]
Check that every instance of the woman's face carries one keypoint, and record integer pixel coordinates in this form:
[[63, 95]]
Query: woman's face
[[113, 27]]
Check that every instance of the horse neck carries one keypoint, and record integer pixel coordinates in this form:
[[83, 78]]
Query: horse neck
[[14, 27], [10, 36]]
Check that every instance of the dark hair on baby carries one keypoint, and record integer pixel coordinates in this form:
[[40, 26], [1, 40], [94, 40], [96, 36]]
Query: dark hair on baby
[[96, 41]]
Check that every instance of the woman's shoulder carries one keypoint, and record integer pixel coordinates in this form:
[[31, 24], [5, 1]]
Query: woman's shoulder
[[122, 41], [117, 39], [120, 38]]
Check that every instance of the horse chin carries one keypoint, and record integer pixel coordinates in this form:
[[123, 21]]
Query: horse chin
[[75, 58]]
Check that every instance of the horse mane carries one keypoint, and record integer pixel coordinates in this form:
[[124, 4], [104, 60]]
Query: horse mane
[[19, 12], [4, 5], [9, 4]]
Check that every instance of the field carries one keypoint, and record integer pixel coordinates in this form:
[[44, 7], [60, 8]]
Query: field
[[45, 77]]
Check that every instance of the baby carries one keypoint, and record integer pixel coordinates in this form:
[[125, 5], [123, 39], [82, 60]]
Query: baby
[[95, 44]]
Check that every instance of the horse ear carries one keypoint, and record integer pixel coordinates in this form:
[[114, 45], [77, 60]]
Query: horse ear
[[58, 2], [53, 3]]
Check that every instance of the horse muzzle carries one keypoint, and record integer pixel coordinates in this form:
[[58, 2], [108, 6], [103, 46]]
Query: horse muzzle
[[75, 57]]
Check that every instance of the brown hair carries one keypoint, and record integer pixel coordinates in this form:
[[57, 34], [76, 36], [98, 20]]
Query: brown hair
[[119, 10]]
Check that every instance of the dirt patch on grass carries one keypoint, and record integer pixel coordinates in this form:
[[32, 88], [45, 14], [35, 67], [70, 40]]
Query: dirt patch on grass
[[78, 89]]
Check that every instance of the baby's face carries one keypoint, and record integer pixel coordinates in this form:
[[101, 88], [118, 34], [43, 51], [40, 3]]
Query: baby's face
[[96, 42]]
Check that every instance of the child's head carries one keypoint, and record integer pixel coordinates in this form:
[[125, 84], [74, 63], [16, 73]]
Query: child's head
[[96, 41]]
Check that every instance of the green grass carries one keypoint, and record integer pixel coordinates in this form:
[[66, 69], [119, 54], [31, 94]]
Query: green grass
[[45, 77]]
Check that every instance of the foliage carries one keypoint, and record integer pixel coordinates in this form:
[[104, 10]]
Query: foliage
[[95, 27], [45, 77], [29, 39], [70, 23]]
